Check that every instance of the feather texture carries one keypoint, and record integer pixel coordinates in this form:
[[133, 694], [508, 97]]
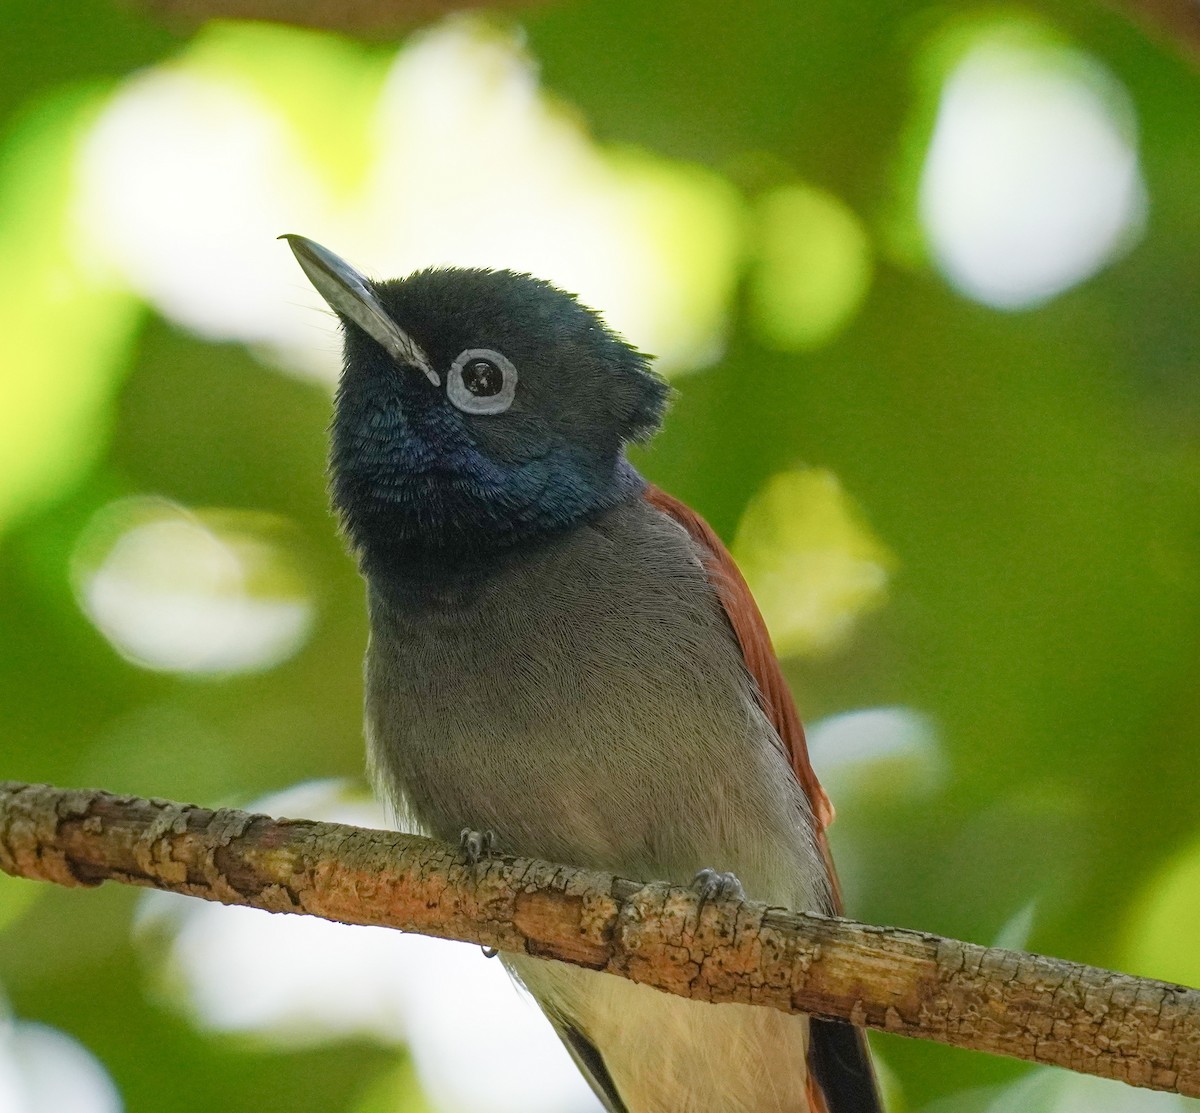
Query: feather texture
[[839, 1060], [763, 665]]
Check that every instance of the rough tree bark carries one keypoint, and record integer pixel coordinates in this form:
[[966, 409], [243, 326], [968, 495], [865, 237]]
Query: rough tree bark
[[1143, 1032]]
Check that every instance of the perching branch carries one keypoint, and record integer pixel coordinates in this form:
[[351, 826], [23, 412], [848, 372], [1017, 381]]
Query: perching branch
[[1143, 1032]]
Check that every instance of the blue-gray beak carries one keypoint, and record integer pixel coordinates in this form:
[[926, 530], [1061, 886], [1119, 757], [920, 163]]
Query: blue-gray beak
[[349, 293]]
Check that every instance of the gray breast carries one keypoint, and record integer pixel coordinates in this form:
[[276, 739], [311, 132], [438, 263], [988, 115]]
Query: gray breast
[[589, 704]]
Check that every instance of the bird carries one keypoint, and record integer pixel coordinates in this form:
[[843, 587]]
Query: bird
[[564, 661]]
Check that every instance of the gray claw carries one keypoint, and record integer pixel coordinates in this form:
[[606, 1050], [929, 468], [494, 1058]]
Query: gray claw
[[712, 885], [476, 845]]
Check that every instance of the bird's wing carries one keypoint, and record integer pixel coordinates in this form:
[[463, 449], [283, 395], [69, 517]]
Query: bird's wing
[[751, 633], [591, 1065], [838, 1057]]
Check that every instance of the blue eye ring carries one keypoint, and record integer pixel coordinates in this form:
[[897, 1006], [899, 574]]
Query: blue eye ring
[[482, 381]]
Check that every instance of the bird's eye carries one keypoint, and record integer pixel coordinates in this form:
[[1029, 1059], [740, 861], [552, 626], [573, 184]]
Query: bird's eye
[[482, 378], [482, 382]]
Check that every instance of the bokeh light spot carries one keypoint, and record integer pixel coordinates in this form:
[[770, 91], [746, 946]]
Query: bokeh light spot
[[813, 268], [187, 179], [324, 86], [43, 1070], [683, 234], [66, 327], [1162, 934], [893, 750], [811, 560], [193, 593], [1031, 181]]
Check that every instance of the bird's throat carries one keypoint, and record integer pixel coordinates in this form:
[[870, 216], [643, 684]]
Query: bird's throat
[[436, 537]]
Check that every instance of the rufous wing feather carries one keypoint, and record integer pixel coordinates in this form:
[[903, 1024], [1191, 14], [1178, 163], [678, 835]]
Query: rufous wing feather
[[841, 1079], [751, 633]]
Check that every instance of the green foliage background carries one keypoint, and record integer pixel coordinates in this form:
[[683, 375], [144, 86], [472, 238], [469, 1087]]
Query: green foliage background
[[1036, 476]]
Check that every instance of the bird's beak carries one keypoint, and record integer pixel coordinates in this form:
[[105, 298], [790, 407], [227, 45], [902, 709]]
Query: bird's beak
[[349, 294]]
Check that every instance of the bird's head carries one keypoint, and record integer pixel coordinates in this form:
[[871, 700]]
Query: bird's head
[[476, 408]]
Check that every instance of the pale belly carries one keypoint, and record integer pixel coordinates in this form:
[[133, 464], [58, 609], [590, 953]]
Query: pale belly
[[667, 1054]]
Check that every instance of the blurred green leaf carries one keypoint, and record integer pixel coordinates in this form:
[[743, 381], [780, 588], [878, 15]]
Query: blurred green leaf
[[813, 268], [812, 562], [1163, 935], [68, 328], [325, 87], [16, 896], [392, 1092]]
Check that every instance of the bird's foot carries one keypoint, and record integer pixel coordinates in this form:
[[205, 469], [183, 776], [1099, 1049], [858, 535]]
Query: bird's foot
[[710, 884], [476, 845]]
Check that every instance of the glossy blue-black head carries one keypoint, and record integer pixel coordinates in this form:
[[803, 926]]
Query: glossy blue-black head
[[476, 408]]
